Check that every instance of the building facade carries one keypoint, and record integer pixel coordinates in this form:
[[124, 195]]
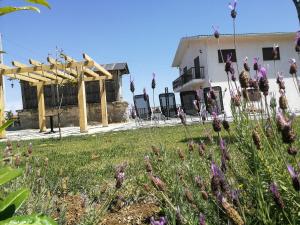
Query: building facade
[[200, 60], [66, 97]]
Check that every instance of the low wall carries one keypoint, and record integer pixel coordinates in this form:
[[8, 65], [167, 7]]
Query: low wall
[[117, 112]]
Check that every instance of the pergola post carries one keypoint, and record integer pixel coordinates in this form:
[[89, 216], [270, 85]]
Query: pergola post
[[41, 107], [103, 103], [2, 116], [82, 103]]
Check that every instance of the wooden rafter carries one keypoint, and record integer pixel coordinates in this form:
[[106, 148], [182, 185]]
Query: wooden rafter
[[19, 76], [30, 75], [99, 67], [70, 71], [45, 73], [46, 67], [85, 70]]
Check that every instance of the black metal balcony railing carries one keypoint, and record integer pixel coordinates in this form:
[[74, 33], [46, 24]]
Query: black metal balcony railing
[[191, 74]]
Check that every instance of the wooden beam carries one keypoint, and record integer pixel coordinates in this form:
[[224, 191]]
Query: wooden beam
[[2, 115], [19, 76], [99, 67], [103, 103], [86, 70], [31, 75], [66, 81], [44, 73], [82, 105], [70, 71], [41, 107], [45, 67]]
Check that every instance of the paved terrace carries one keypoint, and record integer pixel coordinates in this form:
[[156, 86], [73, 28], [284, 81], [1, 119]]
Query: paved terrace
[[30, 134]]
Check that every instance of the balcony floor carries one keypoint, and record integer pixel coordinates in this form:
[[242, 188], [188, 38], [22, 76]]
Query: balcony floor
[[194, 84]]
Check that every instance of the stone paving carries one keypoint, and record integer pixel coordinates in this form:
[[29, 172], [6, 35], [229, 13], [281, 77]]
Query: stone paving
[[30, 134]]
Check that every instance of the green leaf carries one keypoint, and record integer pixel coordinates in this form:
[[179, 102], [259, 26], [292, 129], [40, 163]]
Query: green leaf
[[6, 125], [14, 200], [29, 220], [11, 9], [40, 2], [7, 174]]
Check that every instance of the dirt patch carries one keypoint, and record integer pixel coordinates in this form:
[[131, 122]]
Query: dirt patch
[[138, 213], [73, 206]]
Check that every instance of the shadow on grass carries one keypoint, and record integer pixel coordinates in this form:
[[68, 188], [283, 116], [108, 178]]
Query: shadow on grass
[[207, 140]]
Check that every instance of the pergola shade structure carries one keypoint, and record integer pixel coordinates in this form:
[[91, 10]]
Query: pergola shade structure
[[54, 72]]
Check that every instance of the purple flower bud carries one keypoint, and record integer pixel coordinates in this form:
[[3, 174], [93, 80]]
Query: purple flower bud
[[202, 219], [295, 178], [146, 97], [181, 115], [153, 84], [132, 86], [276, 195], [161, 221], [216, 32], [179, 217], [232, 7]]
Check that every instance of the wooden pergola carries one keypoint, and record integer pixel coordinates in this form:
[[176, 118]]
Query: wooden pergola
[[54, 72]]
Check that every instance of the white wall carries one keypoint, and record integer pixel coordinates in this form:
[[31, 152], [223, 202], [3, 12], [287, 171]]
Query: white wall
[[192, 52]]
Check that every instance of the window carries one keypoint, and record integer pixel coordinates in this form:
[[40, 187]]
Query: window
[[223, 53], [268, 54]]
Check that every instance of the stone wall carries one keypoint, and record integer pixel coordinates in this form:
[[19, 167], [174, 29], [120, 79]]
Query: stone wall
[[117, 112]]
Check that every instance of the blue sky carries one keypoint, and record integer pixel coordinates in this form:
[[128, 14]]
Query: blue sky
[[145, 34]]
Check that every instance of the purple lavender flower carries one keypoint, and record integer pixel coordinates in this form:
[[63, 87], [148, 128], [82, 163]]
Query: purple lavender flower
[[280, 81], [179, 217], [202, 219], [295, 178], [228, 64], [275, 51], [120, 175], [181, 115], [224, 150], [120, 179], [161, 221], [263, 81], [132, 86], [235, 197], [153, 84], [246, 66], [232, 7], [133, 112], [255, 63], [223, 164], [276, 195], [218, 181], [293, 66], [145, 94], [216, 32]]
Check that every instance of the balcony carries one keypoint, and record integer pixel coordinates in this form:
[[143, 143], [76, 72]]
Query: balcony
[[189, 80]]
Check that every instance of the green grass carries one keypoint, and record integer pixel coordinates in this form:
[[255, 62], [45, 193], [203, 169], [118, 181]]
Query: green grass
[[74, 154]]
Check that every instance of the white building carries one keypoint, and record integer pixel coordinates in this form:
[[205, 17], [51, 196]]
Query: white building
[[198, 62]]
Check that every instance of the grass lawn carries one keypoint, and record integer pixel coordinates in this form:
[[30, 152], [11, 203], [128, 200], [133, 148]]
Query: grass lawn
[[90, 160]]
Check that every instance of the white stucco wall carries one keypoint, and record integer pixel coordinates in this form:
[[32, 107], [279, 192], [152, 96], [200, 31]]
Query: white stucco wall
[[250, 47], [192, 51]]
